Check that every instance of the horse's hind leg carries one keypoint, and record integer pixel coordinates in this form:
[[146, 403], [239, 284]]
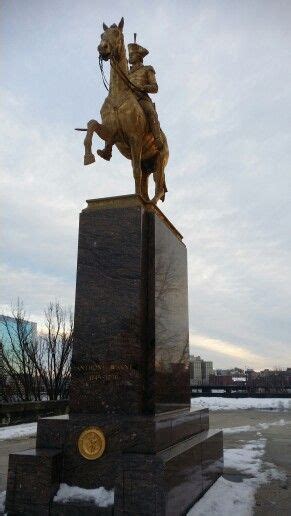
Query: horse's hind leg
[[144, 186], [135, 146], [159, 178]]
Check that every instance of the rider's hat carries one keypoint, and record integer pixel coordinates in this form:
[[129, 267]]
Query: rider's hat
[[135, 47]]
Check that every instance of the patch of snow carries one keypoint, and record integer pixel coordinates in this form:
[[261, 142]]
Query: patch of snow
[[238, 497], [265, 426], [2, 501], [100, 496], [18, 431], [246, 460], [218, 403], [256, 428], [238, 429]]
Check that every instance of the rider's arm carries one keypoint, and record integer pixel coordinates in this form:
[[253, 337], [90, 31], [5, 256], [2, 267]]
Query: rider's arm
[[151, 86]]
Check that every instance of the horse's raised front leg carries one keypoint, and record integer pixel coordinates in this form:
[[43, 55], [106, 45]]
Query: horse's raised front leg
[[106, 153], [135, 146], [89, 156], [94, 127]]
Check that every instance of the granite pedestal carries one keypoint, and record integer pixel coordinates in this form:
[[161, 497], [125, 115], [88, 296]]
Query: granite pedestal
[[130, 377]]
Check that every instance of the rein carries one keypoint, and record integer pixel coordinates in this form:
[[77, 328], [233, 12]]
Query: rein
[[114, 64], [105, 82]]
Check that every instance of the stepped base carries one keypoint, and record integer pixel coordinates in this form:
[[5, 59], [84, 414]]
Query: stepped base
[[158, 465], [171, 481], [33, 479]]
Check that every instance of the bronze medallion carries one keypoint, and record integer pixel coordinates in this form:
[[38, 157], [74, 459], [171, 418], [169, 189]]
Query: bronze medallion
[[91, 443]]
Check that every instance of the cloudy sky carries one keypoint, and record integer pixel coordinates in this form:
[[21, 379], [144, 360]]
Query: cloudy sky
[[224, 101]]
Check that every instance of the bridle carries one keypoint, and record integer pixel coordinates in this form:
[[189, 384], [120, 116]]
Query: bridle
[[114, 64]]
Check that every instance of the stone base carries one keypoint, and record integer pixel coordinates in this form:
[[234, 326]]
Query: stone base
[[158, 465], [130, 377]]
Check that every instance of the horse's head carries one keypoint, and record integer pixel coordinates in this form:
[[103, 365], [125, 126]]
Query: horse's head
[[111, 43]]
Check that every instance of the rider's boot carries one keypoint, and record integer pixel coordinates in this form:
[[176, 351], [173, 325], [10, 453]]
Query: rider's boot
[[155, 128], [106, 153]]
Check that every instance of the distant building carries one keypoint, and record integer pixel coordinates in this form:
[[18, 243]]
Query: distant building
[[200, 370], [235, 372], [222, 372], [207, 370], [195, 370], [220, 379], [251, 375], [8, 329]]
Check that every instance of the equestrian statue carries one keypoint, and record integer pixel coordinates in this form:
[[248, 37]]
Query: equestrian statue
[[129, 117]]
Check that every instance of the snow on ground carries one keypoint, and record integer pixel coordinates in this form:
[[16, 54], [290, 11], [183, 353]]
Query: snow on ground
[[253, 428], [225, 498], [218, 403], [100, 496], [18, 431], [238, 497]]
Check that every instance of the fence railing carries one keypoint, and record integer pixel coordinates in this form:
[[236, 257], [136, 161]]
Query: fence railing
[[29, 411]]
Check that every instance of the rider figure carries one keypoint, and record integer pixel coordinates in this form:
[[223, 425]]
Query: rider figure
[[144, 80]]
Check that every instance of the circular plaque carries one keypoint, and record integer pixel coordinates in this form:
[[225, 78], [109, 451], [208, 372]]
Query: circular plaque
[[91, 443]]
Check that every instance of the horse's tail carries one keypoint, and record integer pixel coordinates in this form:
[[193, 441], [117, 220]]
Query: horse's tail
[[165, 190]]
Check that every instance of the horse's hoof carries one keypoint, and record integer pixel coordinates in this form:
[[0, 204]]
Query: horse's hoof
[[158, 197], [145, 197], [105, 155], [88, 159], [155, 199]]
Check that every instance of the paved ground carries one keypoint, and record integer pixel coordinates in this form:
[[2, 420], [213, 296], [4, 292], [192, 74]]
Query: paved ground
[[273, 498]]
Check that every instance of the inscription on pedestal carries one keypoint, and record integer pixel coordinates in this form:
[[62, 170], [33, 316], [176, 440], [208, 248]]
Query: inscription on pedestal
[[106, 372]]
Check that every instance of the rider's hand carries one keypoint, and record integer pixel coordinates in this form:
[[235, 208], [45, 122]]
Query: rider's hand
[[138, 87]]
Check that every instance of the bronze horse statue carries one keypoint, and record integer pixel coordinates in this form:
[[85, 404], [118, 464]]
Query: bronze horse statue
[[124, 122]]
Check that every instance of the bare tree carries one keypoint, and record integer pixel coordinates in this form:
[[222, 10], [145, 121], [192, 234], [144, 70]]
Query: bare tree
[[37, 367], [22, 378], [52, 357]]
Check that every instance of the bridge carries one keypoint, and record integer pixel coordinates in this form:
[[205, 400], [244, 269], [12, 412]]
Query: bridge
[[240, 390]]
